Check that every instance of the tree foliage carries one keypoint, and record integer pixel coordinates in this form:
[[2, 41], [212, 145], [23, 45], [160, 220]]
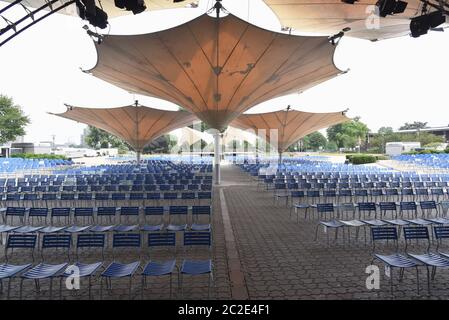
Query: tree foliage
[[98, 138], [348, 134], [163, 144], [12, 120], [414, 125], [314, 141]]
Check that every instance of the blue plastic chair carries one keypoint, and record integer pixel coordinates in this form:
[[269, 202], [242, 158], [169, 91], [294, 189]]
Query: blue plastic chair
[[118, 270], [60, 213], [15, 212], [40, 272], [127, 240]]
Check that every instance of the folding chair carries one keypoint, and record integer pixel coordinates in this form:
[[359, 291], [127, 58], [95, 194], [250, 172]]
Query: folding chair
[[158, 269], [42, 271], [118, 270], [21, 241], [428, 259], [127, 212], [39, 213], [386, 207], [15, 212], [394, 260], [86, 213], [409, 208], [367, 207], [10, 271], [60, 213], [90, 240], [427, 207], [109, 212], [84, 271], [56, 241], [333, 224]]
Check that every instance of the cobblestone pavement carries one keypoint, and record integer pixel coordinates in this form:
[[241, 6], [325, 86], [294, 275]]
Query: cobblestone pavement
[[281, 260], [263, 253]]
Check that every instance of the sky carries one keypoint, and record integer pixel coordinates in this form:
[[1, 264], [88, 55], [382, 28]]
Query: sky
[[389, 82]]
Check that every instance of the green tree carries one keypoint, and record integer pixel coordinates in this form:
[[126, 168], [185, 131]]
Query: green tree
[[98, 138], [162, 144], [314, 141], [12, 120], [348, 134], [414, 125]]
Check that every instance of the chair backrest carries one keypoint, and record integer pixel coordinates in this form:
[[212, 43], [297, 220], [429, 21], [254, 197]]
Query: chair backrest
[[159, 239], [126, 240], [56, 241], [408, 206], [204, 195], [118, 196], [102, 196], [153, 196], [90, 240], [384, 233], [188, 195], [441, 232], [178, 210], [387, 206], [38, 212], [154, 211], [325, 207], [367, 206], [60, 212], [136, 196], [84, 196], [27, 241], [106, 211], [67, 196], [129, 211], [84, 212], [416, 233], [49, 196], [197, 238], [30, 196], [428, 205], [15, 211], [201, 210], [170, 195]]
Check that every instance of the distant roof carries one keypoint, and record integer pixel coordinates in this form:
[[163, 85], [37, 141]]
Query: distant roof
[[426, 129]]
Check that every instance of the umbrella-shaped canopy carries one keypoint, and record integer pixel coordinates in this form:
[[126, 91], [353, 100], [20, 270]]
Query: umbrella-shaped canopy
[[332, 16], [217, 68], [291, 125], [137, 125], [109, 7]]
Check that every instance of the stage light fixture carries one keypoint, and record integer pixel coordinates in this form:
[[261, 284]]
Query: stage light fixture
[[136, 6], [349, 1], [422, 24], [387, 7], [87, 10], [177, 1]]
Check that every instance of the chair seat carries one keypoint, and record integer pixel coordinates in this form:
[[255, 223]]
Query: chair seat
[[397, 222], [51, 229], [11, 270], [352, 223], [196, 267], [332, 224], [76, 229], [85, 270], [396, 260], [6, 228], [176, 227], [119, 270], [374, 223], [151, 228], [200, 227], [439, 220], [159, 268], [43, 271], [123, 228], [419, 222], [101, 228], [431, 259], [27, 229]]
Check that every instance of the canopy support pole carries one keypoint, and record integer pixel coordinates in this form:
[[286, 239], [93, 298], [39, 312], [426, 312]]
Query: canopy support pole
[[280, 158], [138, 155], [217, 156]]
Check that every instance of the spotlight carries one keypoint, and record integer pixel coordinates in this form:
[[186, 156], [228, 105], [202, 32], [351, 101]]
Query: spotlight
[[421, 25], [387, 7], [177, 1], [87, 10], [136, 6], [349, 1]]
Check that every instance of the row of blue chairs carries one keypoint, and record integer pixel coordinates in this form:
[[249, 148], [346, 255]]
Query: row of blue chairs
[[124, 237], [115, 270], [95, 213]]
